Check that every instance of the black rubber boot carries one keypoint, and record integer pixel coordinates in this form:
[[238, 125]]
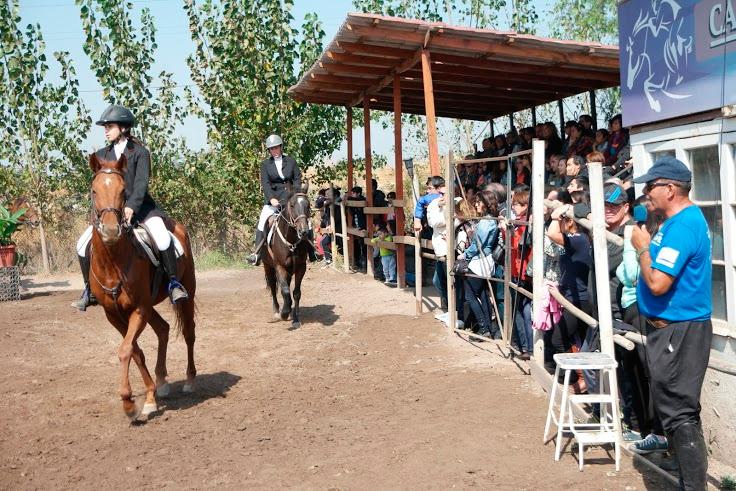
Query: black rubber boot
[[692, 456], [87, 299], [255, 258], [177, 292]]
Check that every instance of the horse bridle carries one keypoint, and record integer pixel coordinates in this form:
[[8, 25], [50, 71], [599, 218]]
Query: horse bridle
[[117, 211], [291, 222]]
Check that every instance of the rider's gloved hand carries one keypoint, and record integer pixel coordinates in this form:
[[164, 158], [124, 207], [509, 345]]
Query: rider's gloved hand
[[275, 202]]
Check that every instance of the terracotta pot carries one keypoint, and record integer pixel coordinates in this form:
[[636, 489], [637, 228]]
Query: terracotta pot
[[7, 256]]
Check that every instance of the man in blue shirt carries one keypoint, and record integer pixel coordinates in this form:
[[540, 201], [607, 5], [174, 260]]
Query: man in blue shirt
[[420, 208], [674, 294]]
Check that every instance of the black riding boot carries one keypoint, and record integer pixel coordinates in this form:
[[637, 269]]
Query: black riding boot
[[87, 299], [692, 456], [177, 292], [255, 258]]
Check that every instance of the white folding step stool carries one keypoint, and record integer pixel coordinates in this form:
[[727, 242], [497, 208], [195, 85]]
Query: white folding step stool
[[608, 429]]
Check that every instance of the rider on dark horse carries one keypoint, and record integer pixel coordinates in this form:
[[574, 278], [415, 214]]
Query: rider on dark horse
[[279, 172], [139, 205]]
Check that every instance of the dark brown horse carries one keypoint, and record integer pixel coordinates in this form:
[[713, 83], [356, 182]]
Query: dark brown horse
[[286, 255], [122, 280]]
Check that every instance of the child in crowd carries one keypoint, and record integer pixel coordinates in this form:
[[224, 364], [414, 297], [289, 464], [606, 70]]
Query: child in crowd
[[388, 256]]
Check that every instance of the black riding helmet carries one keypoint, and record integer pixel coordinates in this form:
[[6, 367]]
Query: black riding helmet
[[117, 114]]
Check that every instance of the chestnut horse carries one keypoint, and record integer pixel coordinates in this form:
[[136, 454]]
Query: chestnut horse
[[286, 255], [122, 279]]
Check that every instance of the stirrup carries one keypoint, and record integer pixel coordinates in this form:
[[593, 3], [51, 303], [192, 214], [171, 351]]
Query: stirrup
[[86, 300], [177, 292]]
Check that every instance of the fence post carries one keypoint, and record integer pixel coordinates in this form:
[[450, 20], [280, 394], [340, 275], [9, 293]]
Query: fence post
[[538, 241], [333, 245], [508, 304], [450, 239], [346, 242], [417, 253]]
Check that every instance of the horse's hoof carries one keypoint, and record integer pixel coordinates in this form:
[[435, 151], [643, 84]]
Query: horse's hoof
[[285, 316], [148, 408], [276, 315], [296, 325], [130, 409], [188, 388], [163, 390]]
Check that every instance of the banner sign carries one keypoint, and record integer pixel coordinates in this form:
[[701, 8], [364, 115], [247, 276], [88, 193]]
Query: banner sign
[[678, 57]]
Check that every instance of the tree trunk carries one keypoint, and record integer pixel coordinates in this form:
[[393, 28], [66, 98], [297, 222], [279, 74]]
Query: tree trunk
[[44, 249]]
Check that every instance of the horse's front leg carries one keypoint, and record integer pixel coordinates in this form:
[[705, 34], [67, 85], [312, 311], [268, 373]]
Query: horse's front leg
[[284, 278], [299, 269], [129, 349], [271, 282]]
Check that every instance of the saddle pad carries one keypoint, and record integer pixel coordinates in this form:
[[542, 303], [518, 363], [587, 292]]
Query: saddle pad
[[147, 244]]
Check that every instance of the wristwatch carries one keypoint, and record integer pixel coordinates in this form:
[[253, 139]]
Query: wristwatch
[[641, 252]]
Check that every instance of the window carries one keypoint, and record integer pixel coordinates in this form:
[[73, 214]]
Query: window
[[706, 193]]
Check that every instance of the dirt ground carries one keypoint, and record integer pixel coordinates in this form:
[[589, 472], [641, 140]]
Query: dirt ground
[[363, 396]]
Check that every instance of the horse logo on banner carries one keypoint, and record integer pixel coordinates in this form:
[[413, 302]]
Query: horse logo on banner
[[659, 49]]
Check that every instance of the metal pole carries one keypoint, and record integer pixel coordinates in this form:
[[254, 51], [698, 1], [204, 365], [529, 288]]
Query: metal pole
[[493, 129], [511, 123], [593, 109], [538, 241], [399, 184], [417, 252], [507, 303], [534, 116], [368, 183], [561, 109]]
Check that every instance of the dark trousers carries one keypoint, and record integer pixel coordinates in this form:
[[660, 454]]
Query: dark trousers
[[569, 331], [634, 379], [476, 296], [677, 357]]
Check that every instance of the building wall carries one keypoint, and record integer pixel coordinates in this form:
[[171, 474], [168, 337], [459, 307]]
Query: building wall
[[709, 149]]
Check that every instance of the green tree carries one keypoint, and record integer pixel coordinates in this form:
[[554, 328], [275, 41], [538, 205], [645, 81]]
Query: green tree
[[43, 122], [247, 55]]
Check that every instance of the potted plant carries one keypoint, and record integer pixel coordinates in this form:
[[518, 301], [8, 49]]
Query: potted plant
[[9, 223]]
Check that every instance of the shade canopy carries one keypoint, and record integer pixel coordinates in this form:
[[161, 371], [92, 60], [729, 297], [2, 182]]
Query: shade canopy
[[477, 74]]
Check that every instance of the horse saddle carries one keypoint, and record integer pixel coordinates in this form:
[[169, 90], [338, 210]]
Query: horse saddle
[[146, 243]]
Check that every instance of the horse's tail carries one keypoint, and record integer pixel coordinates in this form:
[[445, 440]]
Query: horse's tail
[[185, 313]]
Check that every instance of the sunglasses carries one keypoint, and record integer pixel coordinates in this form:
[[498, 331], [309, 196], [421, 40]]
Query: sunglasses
[[652, 185]]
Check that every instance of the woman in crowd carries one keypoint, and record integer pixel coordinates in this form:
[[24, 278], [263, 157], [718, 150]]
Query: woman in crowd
[[522, 166], [521, 251], [617, 140], [553, 143], [479, 255], [558, 165], [575, 266], [601, 141], [501, 146], [578, 144]]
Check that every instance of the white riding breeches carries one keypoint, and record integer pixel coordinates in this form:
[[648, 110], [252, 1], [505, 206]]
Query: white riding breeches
[[266, 212], [155, 225]]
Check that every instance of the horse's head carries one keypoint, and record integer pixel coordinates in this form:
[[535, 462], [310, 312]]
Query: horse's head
[[30, 217], [298, 211], [108, 197]]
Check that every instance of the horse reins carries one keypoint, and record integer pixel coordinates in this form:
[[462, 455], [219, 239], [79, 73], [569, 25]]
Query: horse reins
[[117, 211]]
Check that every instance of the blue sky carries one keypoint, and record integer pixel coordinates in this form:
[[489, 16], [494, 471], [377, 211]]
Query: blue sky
[[62, 31]]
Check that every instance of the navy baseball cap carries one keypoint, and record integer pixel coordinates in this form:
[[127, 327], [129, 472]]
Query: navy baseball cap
[[666, 167], [615, 194]]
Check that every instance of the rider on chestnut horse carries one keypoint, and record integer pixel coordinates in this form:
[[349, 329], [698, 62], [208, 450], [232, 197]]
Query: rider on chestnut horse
[[139, 205]]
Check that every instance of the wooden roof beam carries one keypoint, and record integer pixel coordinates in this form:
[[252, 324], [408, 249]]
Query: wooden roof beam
[[375, 50], [389, 78], [350, 59], [482, 46]]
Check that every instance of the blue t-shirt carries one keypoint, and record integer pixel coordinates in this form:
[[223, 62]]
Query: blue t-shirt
[[421, 206], [681, 249]]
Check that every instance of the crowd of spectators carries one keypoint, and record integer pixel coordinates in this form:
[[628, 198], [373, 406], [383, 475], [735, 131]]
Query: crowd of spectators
[[482, 226]]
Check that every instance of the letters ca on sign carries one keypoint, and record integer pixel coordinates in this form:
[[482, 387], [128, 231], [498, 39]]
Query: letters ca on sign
[[722, 23]]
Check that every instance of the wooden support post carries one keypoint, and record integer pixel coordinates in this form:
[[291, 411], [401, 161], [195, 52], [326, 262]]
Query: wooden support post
[[511, 123], [600, 257], [333, 232], [434, 156], [493, 130], [603, 292], [534, 116], [508, 302], [538, 242], [347, 253], [417, 253], [368, 184], [349, 241], [561, 109], [593, 109], [450, 239], [399, 183]]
